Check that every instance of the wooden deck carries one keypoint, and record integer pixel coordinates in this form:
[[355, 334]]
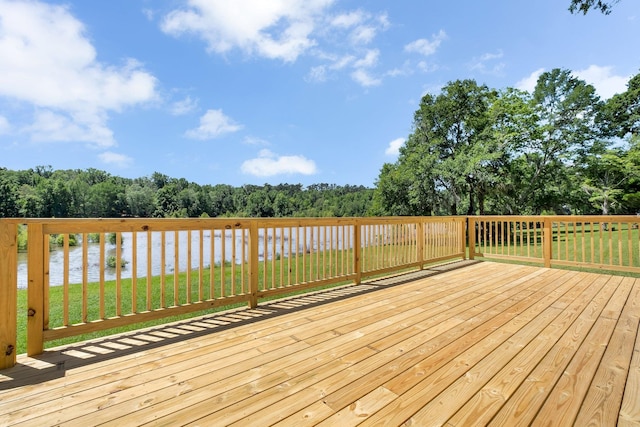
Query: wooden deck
[[486, 343]]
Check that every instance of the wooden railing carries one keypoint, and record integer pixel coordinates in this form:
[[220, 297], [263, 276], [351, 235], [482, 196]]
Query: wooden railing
[[128, 271], [594, 242]]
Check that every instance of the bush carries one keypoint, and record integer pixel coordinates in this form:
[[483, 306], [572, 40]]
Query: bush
[[58, 239], [111, 262], [22, 238], [111, 239]]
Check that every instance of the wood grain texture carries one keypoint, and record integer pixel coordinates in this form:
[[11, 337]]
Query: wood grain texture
[[487, 343]]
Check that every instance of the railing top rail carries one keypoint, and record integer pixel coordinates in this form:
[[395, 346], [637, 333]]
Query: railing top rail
[[560, 218], [89, 225]]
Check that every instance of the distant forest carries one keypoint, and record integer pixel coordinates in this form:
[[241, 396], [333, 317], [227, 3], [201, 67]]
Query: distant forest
[[46, 193]]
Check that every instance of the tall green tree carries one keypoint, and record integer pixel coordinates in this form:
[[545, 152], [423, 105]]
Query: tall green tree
[[141, 199], [513, 118], [621, 113], [446, 160], [564, 134], [8, 195], [604, 178]]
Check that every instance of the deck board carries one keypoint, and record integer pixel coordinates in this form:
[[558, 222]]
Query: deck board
[[486, 343]]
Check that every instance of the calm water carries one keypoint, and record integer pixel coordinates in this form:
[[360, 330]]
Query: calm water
[[56, 267]]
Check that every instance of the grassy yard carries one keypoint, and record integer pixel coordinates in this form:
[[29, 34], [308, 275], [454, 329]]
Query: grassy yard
[[178, 290], [616, 246]]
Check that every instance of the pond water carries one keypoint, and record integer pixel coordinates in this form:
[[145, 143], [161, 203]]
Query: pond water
[[56, 256]]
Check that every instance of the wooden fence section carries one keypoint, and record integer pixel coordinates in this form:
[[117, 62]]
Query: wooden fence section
[[109, 273], [599, 242], [395, 243]]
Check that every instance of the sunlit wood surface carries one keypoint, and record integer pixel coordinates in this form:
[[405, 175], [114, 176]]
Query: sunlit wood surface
[[485, 343]]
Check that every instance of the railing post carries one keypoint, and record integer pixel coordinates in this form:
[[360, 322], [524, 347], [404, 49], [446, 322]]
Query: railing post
[[462, 236], [8, 293], [471, 233], [420, 241], [253, 263], [547, 240], [35, 291], [357, 242]]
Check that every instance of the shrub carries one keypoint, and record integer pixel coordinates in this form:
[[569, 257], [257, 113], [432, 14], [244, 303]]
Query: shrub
[[58, 239], [111, 239], [111, 262], [22, 238]]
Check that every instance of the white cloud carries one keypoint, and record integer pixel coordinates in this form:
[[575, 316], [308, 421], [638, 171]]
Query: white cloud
[[425, 67], [363, 34], [363, 78], [50, 126], [185, 106], [317, 74], [395, 72], [119, 160], [269, 164], [273, 29], [426, 47], [383, 21], [5, 127], [283, 30], [362, 25], [487, 64], [348, 20], [49, 63], [529, 83], [369, 60], [149, 14], [361, 75], [213, 124], [252, 140], [491, 56], [602, 78], [342, 62], [394, 147]]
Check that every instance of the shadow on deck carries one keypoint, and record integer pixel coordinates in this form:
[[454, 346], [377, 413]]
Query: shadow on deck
[[54, 362]]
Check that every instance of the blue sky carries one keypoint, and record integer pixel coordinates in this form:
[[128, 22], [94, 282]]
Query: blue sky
[[271, 91]]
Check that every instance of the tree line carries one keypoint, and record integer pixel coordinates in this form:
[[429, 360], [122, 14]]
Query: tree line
[[42, 192], [557, 150]]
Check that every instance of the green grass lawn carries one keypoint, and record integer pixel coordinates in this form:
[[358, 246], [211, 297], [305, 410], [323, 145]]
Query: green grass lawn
[[617, 245]]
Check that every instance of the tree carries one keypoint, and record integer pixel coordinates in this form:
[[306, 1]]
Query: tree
[[8, 195], [141, 200], [221, 200], [107, 199], [621, 113], [513, 118], [450, 148], [564, 134], [604, 177], [585, 5], [167, 203]]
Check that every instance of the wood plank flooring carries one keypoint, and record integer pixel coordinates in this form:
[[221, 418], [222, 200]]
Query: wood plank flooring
[[469, 344]]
